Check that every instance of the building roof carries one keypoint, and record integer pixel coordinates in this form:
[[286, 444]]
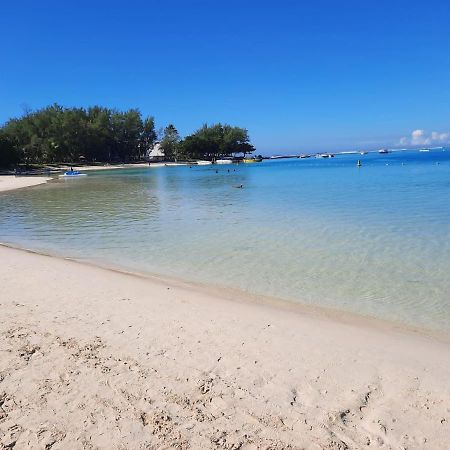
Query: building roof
[[156, 151]]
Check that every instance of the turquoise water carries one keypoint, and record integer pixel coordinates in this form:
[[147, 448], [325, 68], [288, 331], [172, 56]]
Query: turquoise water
[[373, 240]]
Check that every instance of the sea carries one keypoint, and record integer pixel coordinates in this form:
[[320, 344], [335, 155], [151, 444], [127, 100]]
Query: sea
[[372, 240]]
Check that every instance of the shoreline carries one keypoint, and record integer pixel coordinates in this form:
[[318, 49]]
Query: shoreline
[[240, 296], [136, 363], [88, 168], [13, 182]]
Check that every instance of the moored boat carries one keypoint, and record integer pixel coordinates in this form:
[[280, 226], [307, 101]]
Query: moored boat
[[72, 174], [253, 160]]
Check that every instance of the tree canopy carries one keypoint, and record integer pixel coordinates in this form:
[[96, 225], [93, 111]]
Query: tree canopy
[[170, 143], [56, 134], [210, 142]]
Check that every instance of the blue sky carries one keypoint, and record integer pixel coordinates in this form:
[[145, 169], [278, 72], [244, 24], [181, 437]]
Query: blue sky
[[299, 75]]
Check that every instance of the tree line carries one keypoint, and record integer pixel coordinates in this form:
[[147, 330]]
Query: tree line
[[56, 134]]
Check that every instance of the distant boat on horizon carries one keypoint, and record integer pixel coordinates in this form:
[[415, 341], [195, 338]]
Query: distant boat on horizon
[[383, 150], [281, 156], [253, 160]]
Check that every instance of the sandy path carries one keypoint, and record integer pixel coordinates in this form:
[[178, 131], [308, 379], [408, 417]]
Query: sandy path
[[10, 182], [94, 359]]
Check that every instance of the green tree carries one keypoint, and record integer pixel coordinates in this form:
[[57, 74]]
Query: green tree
[[170, 143], [99, 134], [57, 134], [211, 142], [148, 136], [9, 155], [126, 130]]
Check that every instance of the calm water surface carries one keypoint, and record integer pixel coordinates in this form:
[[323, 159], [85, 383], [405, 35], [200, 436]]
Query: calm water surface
[[374, 240]]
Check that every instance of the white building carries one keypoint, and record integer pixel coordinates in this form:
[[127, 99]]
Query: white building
[[156, 153]]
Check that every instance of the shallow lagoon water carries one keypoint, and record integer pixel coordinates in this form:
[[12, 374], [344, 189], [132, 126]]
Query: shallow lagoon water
[[373, 240]]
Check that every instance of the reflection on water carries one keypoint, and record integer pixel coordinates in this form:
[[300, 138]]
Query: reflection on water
[[373, 240]]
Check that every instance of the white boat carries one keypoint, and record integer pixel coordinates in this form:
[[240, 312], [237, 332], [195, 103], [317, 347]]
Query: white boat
[[424, 150], [224, 161], [383, 150], [203, 163], [72, 174], [175, 164]]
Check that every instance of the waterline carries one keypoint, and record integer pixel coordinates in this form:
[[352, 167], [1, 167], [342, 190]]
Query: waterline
[[371, 241]]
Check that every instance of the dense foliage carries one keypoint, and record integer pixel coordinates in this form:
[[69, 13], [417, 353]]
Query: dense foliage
[[56, 134], [214, 141], [170, 143]]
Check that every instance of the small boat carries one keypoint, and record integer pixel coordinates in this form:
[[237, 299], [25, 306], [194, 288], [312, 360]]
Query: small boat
[[175, 164], [383, 150], [72, 174], [203, 163], [252, 160], [424, 150], [223, 161], [363, 153], [325, 155]]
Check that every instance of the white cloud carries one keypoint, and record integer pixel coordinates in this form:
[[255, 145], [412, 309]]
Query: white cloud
[[417, 134], [420, 137]]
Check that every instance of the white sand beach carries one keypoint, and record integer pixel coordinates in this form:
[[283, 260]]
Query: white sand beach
[[88, 168], [11, 182], [96, 359]]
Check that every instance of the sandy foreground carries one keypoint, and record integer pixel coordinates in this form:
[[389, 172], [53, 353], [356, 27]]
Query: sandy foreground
[[10, 182], [96, 359]]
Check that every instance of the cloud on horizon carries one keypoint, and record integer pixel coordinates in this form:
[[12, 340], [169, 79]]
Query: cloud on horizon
[[421, 137]]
